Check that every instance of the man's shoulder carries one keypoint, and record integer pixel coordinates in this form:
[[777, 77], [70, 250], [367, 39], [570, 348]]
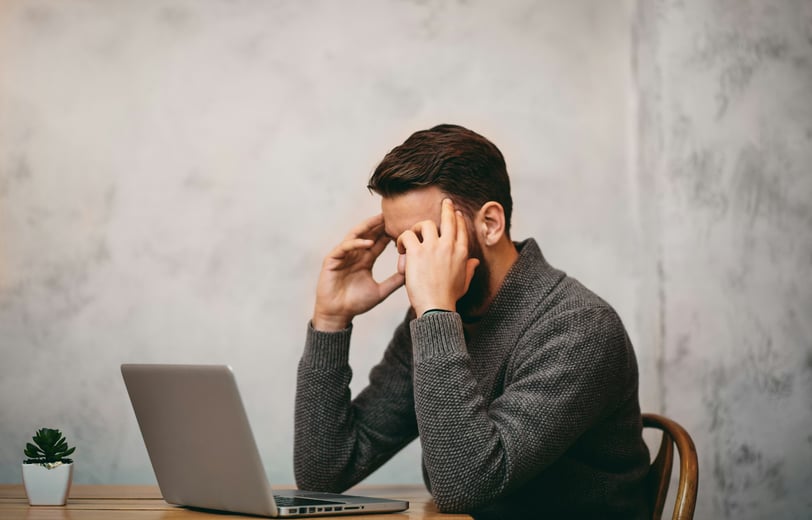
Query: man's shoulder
[[548, 291], [571, 296], [557, 309]]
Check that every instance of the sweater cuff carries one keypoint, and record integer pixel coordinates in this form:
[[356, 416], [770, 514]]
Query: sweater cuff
[[325, 350], [435, 334]]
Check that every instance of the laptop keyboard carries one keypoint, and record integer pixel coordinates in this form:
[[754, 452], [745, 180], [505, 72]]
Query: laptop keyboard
[[300, 501]]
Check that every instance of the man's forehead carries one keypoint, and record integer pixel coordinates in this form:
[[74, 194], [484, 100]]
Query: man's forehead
[[395, 230], [403, 211], [393, 227]]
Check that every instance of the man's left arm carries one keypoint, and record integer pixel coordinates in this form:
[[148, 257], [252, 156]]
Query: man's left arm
[[560, 385]]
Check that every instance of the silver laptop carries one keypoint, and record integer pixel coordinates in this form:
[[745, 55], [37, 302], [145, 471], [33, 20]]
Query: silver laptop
[[203, 452]]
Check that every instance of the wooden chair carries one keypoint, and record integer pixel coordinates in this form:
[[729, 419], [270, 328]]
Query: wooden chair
[[659, 475]]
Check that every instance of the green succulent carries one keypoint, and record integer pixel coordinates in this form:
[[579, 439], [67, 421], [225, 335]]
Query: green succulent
[[49, 447]]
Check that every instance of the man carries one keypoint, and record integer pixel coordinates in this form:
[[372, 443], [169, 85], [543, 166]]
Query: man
[[521, 384]]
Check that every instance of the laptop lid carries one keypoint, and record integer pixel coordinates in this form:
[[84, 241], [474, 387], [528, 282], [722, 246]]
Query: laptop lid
[[203, 451], [198, 437]]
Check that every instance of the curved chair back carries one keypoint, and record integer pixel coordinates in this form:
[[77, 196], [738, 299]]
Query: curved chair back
[[659, 475]]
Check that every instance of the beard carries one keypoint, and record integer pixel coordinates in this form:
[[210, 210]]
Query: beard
[[473, 301]]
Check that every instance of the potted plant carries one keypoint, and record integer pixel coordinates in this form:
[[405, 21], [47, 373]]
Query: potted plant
[[47, 472]]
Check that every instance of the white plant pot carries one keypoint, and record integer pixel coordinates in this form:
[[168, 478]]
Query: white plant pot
[[47, 486]]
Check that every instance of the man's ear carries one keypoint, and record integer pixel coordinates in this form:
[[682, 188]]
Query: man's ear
[[491, 223]]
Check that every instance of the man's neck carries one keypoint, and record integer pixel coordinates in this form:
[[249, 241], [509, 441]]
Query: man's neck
[[500, 260], [503, 256]]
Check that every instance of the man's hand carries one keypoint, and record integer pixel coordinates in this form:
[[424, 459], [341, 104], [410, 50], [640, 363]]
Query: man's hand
[[437, 268], [346, 287]]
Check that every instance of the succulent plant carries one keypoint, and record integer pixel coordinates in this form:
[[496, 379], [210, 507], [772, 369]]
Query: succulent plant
[[49, 447]]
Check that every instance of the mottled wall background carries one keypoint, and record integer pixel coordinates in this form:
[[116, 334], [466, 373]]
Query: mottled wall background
[[172, 172], [725, 147]]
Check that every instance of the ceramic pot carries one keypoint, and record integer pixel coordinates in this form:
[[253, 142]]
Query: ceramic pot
[[47, 486]]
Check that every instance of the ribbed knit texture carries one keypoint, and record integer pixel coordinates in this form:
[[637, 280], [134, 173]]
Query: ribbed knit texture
[[535, 416]]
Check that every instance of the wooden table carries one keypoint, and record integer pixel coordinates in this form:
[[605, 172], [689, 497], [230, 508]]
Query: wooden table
[[145, 503]]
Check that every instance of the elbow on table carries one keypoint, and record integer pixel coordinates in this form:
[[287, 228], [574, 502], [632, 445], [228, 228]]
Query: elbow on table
[[316, 479], [457, 500]]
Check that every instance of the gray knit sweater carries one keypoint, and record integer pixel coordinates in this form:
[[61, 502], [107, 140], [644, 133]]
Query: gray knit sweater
[[533, 413]]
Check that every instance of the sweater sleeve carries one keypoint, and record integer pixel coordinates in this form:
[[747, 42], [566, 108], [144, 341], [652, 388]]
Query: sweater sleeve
[[339, 441], [564, 374]]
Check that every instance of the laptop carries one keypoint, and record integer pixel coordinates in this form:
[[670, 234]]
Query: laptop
[[203, 452]]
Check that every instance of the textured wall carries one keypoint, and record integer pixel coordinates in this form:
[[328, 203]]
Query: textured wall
[[171, 174], [725, 147]]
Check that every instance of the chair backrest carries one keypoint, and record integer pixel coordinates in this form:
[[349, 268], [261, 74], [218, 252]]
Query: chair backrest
[[659, 475]]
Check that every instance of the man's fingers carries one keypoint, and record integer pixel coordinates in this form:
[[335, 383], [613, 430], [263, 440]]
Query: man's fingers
[[356, 243], [426, 231], [406, 239], [448, 221], [380, 244], [470, 267], [350, 245], [462, 230], [391, 284], [369, 228]]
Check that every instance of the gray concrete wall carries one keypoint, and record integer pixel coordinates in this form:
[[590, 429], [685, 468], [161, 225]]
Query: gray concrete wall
[[725, 167], [172, 173]]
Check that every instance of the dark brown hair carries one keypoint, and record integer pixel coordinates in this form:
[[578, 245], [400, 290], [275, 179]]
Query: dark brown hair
[[461, 163]]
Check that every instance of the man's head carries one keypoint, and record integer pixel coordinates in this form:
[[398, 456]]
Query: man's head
[[460, 163], [454, 162]]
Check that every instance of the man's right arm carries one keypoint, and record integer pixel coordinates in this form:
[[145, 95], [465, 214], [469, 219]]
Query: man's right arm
[[339, 442]]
